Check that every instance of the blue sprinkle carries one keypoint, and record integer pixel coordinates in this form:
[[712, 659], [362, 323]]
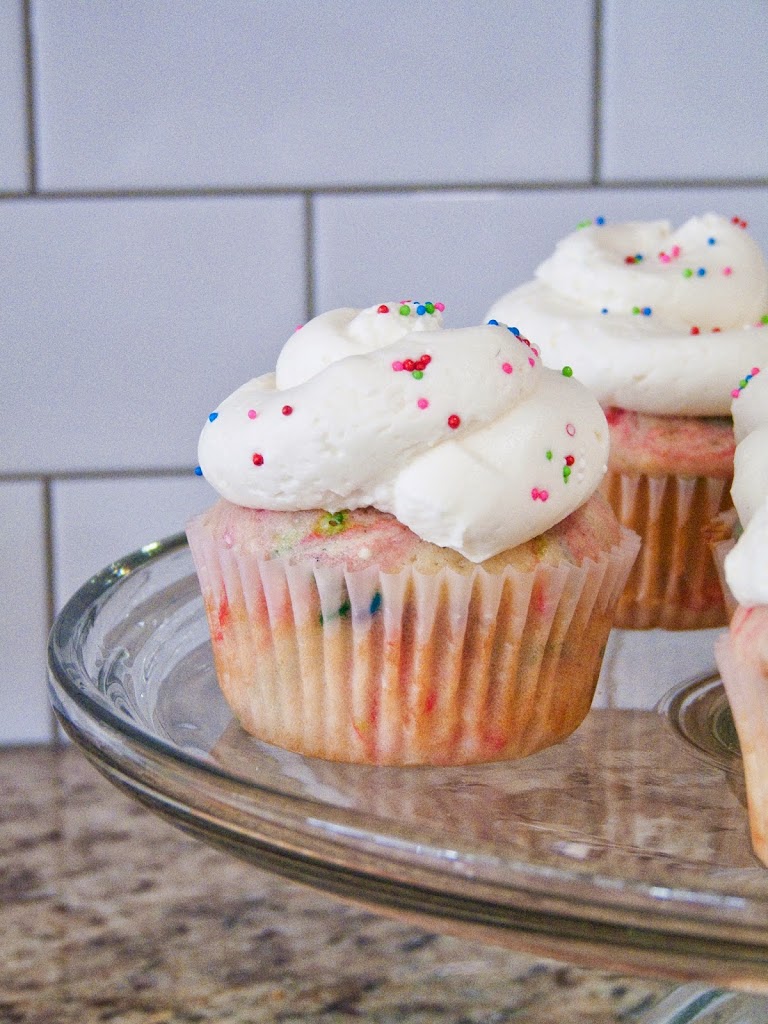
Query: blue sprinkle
[[701, 271], [198, 471], [711, 241], [421, 310], [515, 331], [212, 416], [600, 220], [639, 257], [603, 310], [494, 323], [748, 377], [647, 311], [375, 603]]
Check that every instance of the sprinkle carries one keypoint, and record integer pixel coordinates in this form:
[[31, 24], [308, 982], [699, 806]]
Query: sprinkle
[[252, 414], [440, 306], [515, 331], [493, 323], [727, 271], [287, 410], [675, 251], [566, 473], [421, 310], [583, 223], [603, 311], [409, 365], [630, 259], [539, 495], [405, 310], [507, 367], [426, 359], [418, 374], [567, 371], [548, 453], [635, 310], [453, 421], [600, 221], [375, 603], [422, 403], [764, 318], [198, 470], [570, 429], [711, 241], [715, 330], [397, 365], [738, 222], [687, 272], [569, 460], [212, 416], [383, 309], [257, 459], [531, 361], [430, 307], [701, 271], [695, 330], [665, 257], [646, 311]]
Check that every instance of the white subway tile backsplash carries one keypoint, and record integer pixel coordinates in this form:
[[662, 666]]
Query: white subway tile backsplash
[[99, 521], [298, 93], [467, 248], [125, 321], [13, 117], [685, 90], [24, 714]]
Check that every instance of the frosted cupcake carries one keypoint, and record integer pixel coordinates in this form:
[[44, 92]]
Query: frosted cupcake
[[742, 653], [410, 564], [658, 324]]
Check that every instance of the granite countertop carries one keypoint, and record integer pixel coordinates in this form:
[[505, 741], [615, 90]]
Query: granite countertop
[[111, 914]]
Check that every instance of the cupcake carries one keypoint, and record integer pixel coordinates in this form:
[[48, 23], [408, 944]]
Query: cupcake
[[658, 324], [409, 563], [742, 652]]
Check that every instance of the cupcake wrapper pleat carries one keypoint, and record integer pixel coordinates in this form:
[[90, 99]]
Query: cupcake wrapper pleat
[[406, 667], [674, 583]]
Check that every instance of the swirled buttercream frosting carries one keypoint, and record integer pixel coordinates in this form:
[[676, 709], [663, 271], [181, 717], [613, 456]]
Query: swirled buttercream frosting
[[650, 319], [463, 435], [746, 565]]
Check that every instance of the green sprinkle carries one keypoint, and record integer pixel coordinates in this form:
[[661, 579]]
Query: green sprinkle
[[764, 318], [635, 310], [418, 374], [549, 454], [430, 307], [687, 272], [345, 609], [567, 371], [583, 223], [566, 473], [405, 310]]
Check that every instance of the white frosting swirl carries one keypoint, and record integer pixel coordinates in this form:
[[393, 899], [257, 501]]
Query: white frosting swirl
[[478, 448], [580, 310], [746, 565]]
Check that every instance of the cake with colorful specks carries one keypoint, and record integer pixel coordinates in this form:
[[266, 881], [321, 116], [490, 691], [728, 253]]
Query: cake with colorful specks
[[742, 652], [658, 324], [409, 563]]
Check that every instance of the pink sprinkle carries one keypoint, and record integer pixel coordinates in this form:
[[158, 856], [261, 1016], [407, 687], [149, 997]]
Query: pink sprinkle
[[538, 495], [397, 365], [507, 367], [299, 326], [440, 306], [755, 370], [665, 257], [570, 429], [675, 251], [735, 393], [422, 403], [531, 361], [727, 271], [252, 414]]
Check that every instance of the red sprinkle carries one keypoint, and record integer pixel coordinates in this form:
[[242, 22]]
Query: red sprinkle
[[408, 364], [258, 459], [569, 460], [695, 330], [383, 309], [287, 410], [454, 421], [426, 359], [715, 330]]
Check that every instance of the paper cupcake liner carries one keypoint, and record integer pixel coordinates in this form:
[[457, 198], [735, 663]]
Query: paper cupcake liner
[[674, 583], [405, 667], [741, 658], [721, 538]]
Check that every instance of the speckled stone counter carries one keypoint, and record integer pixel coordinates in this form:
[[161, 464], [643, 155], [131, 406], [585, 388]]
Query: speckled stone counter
[[110, 914]]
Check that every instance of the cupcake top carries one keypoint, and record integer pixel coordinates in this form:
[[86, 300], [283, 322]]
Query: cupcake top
[[746, 565], [650, 319], [463, 435]]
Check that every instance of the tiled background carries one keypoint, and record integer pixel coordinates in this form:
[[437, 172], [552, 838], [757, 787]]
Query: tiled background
[[182, 182]]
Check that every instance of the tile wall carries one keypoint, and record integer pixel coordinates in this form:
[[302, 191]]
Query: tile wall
[[184, 181]]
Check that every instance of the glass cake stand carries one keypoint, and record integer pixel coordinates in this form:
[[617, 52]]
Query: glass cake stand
[[624, 848]]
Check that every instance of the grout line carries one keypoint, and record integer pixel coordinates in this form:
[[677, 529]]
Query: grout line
[[621, 185], [98, 474], [48, 561], [29, 88], [309, 256], [597, 91]]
